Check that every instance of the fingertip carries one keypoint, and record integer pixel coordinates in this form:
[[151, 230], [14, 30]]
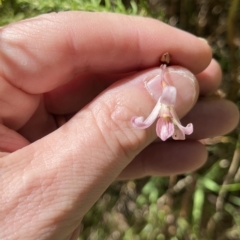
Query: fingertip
[[10, 140], [212, 117], [210, 79], [195, 56], [187, 88], [206, 53], [199, 150], [182, 157], [165, 159], [233, 113]]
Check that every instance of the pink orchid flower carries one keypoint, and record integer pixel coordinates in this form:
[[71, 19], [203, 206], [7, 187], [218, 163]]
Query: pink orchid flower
[[168, 123]]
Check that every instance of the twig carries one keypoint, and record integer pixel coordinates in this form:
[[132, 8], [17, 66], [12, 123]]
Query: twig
[[187, 197], [211, 226], [229, 177], [232, 14]]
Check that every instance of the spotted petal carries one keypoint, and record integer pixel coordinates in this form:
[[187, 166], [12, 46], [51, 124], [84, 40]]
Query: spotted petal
[[180, 130]]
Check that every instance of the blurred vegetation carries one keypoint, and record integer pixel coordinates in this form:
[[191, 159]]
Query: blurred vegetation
[[200, 205]]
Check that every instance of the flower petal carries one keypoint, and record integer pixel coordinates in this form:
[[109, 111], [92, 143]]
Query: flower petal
[[180, 131], [139, 122], [178, 134], [164, 128], [163, 68], [169, 96], [185, 130]]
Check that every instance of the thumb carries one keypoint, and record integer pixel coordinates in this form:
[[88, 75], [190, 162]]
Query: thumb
[[68, 170]]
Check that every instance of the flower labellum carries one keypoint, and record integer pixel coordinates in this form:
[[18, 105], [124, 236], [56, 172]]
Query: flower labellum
[[168, 123]]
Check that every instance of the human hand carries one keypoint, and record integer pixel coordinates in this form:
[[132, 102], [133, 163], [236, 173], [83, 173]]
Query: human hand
[[60, 68]]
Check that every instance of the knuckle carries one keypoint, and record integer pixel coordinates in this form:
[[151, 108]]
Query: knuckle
[[113, 121]]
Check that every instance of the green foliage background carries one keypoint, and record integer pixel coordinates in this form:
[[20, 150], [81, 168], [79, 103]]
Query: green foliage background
[[200, 205]]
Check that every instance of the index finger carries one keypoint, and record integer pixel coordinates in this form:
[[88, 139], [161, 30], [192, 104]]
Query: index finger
[[40, 54]]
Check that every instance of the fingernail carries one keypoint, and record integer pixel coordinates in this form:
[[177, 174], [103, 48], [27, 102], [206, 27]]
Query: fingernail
[[204, 40], [154, 85], [179, 77], [186, 85]]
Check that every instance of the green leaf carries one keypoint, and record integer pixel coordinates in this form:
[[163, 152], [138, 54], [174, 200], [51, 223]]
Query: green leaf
[[210, 185], [231, 187], [198, 201]]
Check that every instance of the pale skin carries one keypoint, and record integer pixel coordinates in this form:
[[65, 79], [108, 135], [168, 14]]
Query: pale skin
[[63, 64]]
